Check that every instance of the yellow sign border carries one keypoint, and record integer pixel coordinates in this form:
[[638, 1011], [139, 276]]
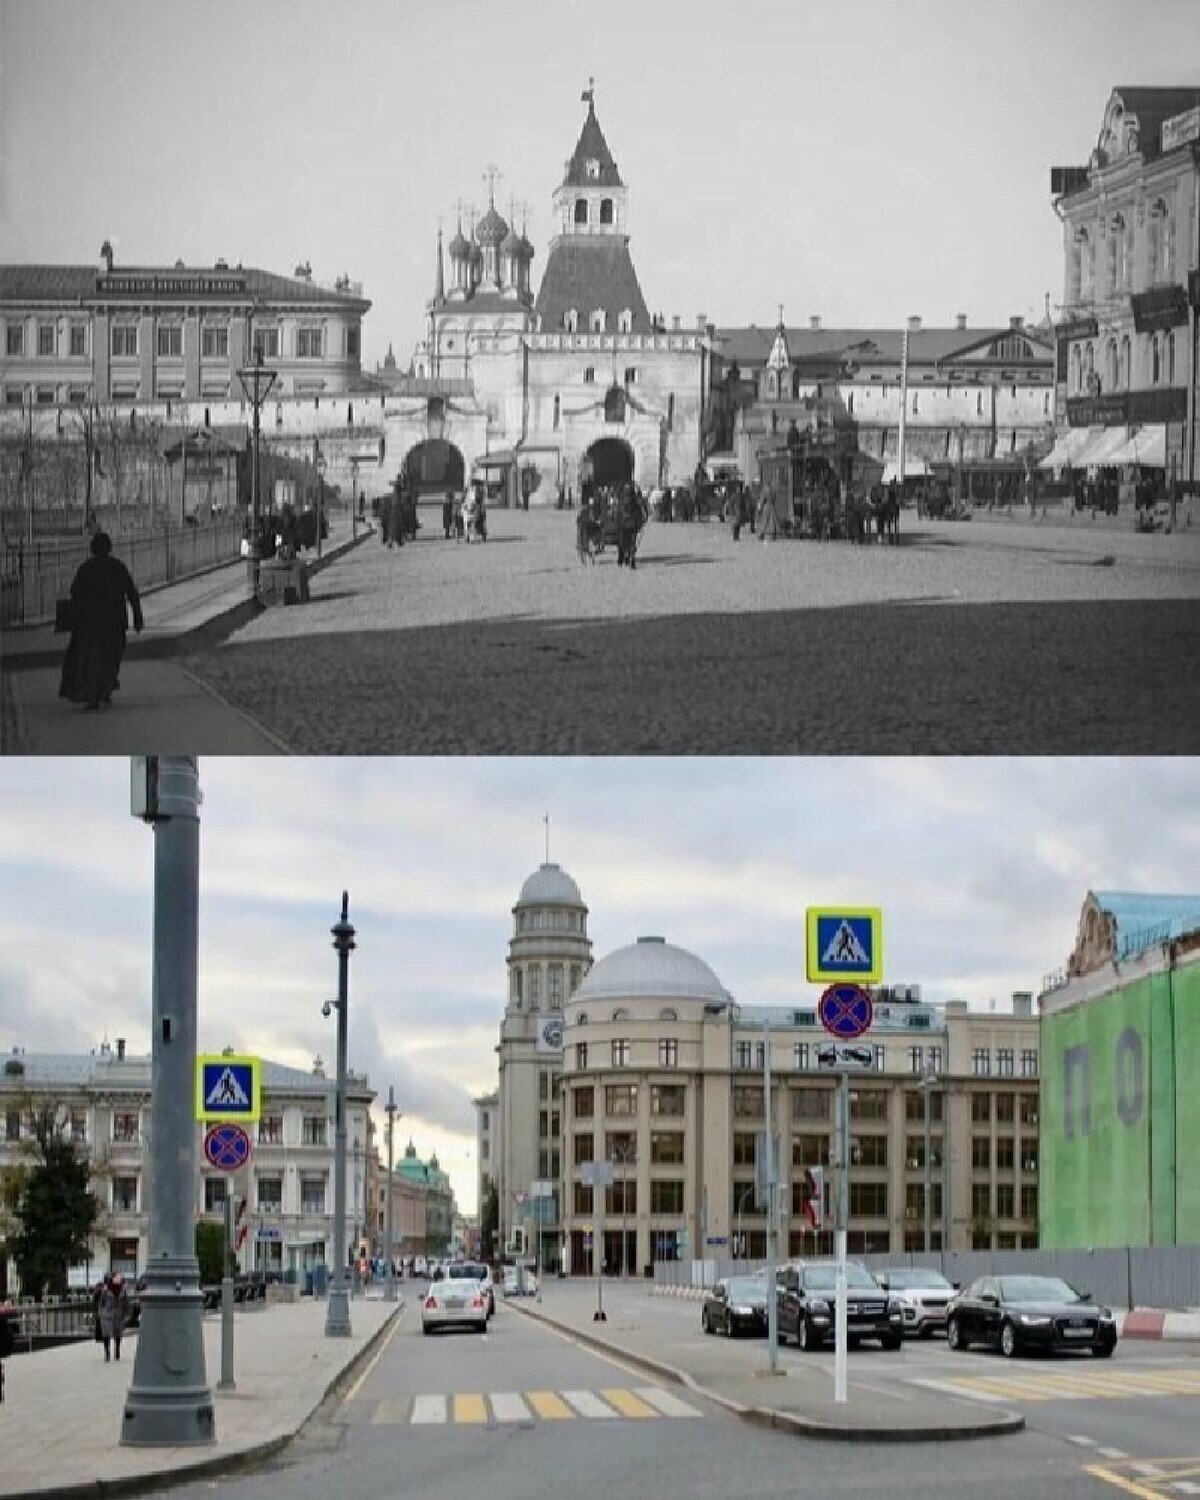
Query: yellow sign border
[[817, 975], [232, 1116]]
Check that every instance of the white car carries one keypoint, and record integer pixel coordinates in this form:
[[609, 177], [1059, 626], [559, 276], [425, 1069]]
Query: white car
[[519, 1282], [454, 1304], [923, 1296], [477, 1271]]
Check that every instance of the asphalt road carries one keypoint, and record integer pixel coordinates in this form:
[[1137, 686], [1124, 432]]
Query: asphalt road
[[367, 1445], [964, 640]]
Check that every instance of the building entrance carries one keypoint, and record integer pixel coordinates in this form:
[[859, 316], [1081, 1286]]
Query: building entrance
[[610, 460], [433, 467]]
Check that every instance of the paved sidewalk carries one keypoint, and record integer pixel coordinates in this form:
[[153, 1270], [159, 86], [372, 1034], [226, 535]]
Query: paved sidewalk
[[733, 1374], [60, 1423], [160, 707]]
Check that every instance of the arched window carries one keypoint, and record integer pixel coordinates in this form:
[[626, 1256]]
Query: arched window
[[1113, 238], [581, 211], [667, 1014], [1154, 224], [606, 210], [625, 321], [1155, 365], [772, 386], [557, 410], [581, 1019], [589, 375], [1126, 362], [598, 320], [1110, 365], [1168, 245], [571, 320]]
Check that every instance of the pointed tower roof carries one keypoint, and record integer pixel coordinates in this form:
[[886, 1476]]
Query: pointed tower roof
[[780, 356], [592, 147]]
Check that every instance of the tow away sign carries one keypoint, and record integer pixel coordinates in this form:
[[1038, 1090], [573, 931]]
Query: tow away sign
[[228, 1088]]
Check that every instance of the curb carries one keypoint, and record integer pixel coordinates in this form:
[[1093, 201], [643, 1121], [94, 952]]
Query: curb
[[1000, 1424], [224, 1463]]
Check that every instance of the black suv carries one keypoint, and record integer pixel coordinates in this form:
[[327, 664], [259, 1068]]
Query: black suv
[[806, 1292]]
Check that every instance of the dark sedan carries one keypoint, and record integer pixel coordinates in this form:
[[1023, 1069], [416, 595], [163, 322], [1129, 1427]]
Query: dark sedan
[[806, 1306], [1016, 1313], [738, 1305]]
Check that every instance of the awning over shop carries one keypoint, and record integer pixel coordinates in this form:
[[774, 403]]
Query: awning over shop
[[914, 468], [1097, 452], [1069, 445], [1146, 446]]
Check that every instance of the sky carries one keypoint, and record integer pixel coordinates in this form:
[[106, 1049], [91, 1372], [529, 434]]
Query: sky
[[981, 868], [860, 160]]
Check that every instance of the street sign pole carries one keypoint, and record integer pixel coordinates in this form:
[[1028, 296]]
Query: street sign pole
[[772, 1190], [226, 1382], [843, 1218]]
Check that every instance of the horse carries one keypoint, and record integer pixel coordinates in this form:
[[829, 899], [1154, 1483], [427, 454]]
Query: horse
[[587, 534]]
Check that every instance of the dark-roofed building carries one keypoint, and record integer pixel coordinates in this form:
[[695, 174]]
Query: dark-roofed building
[[136, 334], [578, 382], [1131, 285]]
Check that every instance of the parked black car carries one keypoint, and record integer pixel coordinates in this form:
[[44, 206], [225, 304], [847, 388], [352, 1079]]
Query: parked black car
[[737, 1305], [1014, 1313], [806, 1305]]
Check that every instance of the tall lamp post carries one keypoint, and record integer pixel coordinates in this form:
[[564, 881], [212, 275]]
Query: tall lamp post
[[928, 1079], [257, 382], [390, 1279], [747, 1192], [337, 1311]]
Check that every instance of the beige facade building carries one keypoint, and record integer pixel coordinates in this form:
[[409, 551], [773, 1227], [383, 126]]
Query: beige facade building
[[104, 1104], [663, 1079]]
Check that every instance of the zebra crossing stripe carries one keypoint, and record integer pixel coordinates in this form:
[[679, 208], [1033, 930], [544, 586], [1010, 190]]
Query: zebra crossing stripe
[[507, 1406], [627, 1403], [670, 1405], [469, 1408], [549, 1405], [389, 1411], [588, 1404], [428, 1409]]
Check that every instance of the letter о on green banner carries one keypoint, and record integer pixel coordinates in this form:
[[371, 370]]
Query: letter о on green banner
[[844, 943], [228, 1088]]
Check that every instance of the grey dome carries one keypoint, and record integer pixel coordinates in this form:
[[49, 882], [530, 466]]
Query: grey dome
[[651, 969], [550, 885]]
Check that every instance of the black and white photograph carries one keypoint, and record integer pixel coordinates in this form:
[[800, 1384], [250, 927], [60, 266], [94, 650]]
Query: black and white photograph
[[538, 379]]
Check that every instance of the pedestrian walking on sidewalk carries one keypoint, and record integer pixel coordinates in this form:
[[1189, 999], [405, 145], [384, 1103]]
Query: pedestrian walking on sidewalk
[[101, 592], [112, 1312]]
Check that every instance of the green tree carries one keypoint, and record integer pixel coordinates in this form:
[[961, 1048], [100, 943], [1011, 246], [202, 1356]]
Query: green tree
[[210, 1250], [489, 1219], [57, 1209]]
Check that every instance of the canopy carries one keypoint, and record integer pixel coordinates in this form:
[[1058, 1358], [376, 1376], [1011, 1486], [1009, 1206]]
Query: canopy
[[1103, 443], [1147, 446], [914, 468], [1068, 446]]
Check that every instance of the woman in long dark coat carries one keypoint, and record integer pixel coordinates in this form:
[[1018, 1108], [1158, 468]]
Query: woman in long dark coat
[[101, 592]]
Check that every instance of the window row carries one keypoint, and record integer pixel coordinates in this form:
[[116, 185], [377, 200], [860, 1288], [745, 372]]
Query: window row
[[981, 1062], [526, 984], [1158, 364], [1006, 1200], [1007, 1154], [1119, 271], [666, 1148], [47, 341], [666, 1197], [597, 321]]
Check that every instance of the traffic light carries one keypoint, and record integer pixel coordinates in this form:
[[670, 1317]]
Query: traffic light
[[814, 1205]]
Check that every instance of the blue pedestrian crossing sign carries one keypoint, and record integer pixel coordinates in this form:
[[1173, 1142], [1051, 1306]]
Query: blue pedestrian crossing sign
[[845, 943], [228, 1088]]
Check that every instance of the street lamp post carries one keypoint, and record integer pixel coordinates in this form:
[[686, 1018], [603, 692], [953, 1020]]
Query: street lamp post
[[257, 382], [928, 1079], [391, 1112], [319, 465], [169, 1403], [625, 1156], [337, 1312]]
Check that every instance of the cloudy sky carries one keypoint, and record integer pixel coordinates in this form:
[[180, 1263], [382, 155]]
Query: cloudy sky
[[980, 866], [857, 159]]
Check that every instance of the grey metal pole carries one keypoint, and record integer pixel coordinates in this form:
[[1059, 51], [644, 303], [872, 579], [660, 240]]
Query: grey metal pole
[[772, 1190], [390, 1286], [337, 1310], [226, 1382], [169, 1403], [927, 1090]]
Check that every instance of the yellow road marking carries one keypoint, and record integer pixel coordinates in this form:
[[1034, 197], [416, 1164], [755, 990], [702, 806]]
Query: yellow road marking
[[627, 1403], [387, 1338], [470, 1408], [549, 1405], [1131, 1486]]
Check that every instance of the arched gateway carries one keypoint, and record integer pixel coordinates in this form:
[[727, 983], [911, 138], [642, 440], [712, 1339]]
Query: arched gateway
[[611, 461], [433, 467]]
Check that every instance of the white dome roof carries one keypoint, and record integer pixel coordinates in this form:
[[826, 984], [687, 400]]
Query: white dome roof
[[651, 969], [550, 885]]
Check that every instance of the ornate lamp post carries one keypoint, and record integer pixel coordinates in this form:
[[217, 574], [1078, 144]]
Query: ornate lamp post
[[391, 1112], [337, 1312], [257, 382]]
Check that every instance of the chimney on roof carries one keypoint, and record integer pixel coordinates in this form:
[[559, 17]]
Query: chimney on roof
[[914, 324], [106, 254], [960, 321], [1017, 323], [120, 1049], [304, 271], [814, 323], [1022, 1002], [221, 264]]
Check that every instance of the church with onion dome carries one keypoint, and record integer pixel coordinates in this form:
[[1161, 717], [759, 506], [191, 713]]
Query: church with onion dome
[[535, 391]]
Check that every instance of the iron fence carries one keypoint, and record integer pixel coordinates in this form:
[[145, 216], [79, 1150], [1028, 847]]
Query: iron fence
[[33, 575]]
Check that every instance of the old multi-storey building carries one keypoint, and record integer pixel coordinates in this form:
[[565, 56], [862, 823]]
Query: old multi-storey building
[[103, 1101], [663, 1080], [134, 334], [1126, 369]]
